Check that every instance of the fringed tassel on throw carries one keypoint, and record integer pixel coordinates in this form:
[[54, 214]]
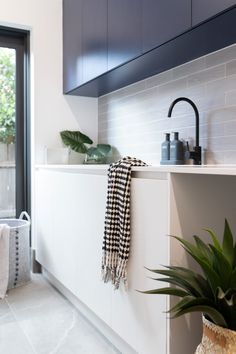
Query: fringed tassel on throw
[[114, 269]]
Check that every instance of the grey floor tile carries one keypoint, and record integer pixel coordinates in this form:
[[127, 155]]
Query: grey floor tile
[[12, 338], [42, 321]]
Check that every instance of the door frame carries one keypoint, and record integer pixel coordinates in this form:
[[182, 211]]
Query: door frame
[[20, 40]]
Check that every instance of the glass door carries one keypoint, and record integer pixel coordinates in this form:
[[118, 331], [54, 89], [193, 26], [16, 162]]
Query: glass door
[[14, 124], [7, 132]]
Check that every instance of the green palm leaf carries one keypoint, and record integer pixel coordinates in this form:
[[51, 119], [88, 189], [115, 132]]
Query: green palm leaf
[[222, 267], [76, 140], [215, 316], [228, 246], [179, 306], [166, 291], [214, 291], [210, 274], [214, 239], [203, 249], [184, 277], [199, 279], [180, 283]]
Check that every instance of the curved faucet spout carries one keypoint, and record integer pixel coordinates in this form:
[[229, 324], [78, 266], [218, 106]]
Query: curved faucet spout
[[195, 110], [196, 154]]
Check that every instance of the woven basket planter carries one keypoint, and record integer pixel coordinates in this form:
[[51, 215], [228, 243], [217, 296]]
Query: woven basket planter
[[216, 339]]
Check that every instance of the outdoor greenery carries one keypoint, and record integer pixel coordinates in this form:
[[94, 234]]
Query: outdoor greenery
[[214, 291], [7, 95]]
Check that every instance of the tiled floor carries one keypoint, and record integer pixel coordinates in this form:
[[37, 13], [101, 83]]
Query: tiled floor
[[36, 319]]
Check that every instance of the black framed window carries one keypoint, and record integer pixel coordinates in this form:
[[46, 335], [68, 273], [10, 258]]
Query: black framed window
[[15, 126]]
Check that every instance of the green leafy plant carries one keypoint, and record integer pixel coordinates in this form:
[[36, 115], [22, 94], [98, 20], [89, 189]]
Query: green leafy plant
[[78, 142], [7, 95], [213, 292], [97, 154]]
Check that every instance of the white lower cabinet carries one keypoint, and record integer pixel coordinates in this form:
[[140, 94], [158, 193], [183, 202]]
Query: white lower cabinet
[[139, 318], [70, 210]]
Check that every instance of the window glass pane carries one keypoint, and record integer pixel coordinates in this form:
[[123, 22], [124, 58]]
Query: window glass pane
[[7, 131]]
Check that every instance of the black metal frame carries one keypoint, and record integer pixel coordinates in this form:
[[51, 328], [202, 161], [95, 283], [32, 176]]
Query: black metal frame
[[19, 40]]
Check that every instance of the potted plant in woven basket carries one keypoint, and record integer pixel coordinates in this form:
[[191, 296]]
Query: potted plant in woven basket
[[212, 291]]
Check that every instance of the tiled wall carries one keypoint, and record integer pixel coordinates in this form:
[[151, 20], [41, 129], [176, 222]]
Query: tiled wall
[[134, 119]]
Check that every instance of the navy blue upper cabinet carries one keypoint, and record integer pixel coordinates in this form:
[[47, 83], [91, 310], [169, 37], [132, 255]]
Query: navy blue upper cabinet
[[84, 41], [72, 44], [163, 20], [124, 31], [204, 9], [94, 38], [109, 44]]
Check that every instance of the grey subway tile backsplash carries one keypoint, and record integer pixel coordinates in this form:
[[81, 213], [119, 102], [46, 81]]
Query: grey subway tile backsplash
[[210, 74], [189, 68], [221, 85], [221, 56], [160, 79], [231, 68], [134, 119], [230, 98]]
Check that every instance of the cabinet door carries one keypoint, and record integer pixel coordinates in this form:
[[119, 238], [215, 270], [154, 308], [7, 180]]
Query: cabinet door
[[43, 220], [70, 221], [94, 43], [72, 44], [139, 318], [124, 31], [163, 20], [203, 9]]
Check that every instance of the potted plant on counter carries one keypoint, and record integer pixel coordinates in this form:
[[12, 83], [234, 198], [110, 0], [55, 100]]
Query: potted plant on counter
[[213, 292], [80, 152]]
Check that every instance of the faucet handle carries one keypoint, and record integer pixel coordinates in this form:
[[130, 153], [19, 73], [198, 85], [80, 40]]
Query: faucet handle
[[195, 154], [187, 153]]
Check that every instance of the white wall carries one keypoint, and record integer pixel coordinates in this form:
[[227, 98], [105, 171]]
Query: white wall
[[51, 111]]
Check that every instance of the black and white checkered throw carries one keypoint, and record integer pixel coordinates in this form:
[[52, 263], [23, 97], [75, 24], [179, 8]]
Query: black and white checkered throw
[[116, 241]]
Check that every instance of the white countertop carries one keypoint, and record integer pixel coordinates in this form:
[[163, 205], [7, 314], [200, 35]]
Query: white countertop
[[191, 169]]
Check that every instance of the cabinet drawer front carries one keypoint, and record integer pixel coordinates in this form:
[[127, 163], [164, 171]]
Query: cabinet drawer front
[[204, 9], [124, 31], [72, 45], [163, 20], [94, 34]]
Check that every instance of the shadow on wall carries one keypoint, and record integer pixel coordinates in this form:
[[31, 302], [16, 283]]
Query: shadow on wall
[[85, 111], [200, 202], [220, 123]]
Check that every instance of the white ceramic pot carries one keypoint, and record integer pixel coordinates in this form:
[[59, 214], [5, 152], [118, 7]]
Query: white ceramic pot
[[216, 339], [76, 158], [58, 156]]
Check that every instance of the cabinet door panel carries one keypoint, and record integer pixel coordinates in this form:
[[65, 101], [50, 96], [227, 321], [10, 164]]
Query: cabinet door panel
[[78, 226], [163, 20], [124, 31], [203, 9], [138, 318], [70, 221], [44, 216], [94, 34], [72, 44]]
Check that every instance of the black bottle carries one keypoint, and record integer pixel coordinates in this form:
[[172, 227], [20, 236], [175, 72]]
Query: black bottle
[[165, 149], [176, 150]]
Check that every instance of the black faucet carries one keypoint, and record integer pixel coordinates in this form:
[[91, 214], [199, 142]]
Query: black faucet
[[197, 150]]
